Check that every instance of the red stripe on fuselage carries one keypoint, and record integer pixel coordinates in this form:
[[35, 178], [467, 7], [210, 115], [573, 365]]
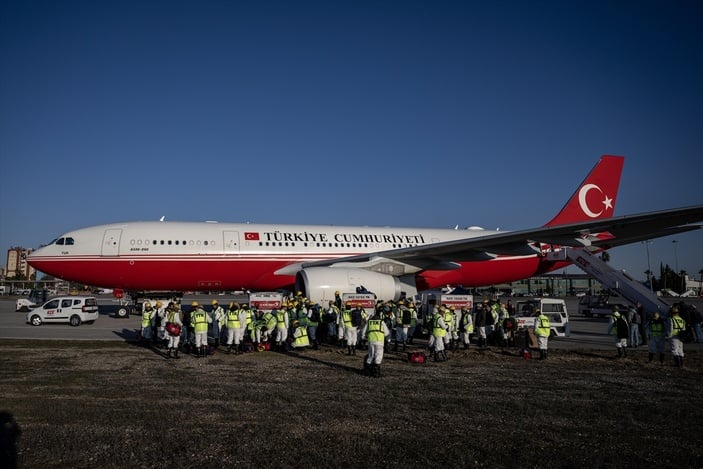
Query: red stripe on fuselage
[[253, 273]]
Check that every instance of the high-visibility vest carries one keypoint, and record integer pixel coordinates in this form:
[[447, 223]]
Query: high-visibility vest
[[544, 327], [656, 328], [301, 337], [466, 322], [449, 320], [146, 318], [281, 318], [374, 331], [437, 329], [678, 326], [233, 321], [347, 317], [270, 320], [198, 320]]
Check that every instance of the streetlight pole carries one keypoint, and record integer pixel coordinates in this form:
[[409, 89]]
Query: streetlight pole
[[676, 257], [649, 266]]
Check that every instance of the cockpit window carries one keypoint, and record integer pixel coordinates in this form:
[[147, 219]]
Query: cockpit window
[[60, 241], [69, 241]]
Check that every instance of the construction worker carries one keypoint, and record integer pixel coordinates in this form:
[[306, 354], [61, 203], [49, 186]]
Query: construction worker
[[158, 328], [199, 321], [656, 335], [147, 322], [449, 321], [466, 326], [402, 325], [542, 329], [676, 327], [388, 317], [343, 318], [619, 327], [217, 314], [234, 325], [282, 327], [173, 316], [300, 336], [375, 331], [331, 316], [413, 321], [352, 322], [439, 332], [314, 318], [269, 325]]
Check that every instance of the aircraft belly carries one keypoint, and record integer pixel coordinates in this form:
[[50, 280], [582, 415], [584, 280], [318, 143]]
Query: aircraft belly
[[482, 274], [172, 274]]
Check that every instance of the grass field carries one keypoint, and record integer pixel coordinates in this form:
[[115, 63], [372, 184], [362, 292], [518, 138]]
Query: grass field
[[95, 404]]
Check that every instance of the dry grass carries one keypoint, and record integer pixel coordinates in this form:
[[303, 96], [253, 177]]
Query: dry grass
[[117, 405]]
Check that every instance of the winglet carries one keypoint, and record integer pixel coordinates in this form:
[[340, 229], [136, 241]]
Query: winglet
[[595, 198]]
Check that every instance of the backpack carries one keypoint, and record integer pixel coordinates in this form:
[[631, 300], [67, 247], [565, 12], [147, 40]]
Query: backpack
[[356, 317], [315, 316]]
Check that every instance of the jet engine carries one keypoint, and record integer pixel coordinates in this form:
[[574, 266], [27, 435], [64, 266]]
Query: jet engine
[[320, 283]]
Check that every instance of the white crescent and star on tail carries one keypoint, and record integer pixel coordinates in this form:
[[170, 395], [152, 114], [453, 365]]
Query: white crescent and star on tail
[[583, 193]]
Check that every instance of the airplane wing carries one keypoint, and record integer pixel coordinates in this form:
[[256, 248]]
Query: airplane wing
[[598, 234]]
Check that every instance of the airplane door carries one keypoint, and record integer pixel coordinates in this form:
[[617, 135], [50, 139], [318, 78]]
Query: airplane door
[[231, 241], [111, 242]]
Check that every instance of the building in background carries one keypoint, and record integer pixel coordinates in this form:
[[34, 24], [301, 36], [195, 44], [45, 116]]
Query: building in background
[[17, 266]]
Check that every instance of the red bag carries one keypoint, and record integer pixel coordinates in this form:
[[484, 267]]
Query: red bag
[[173, 329], [417, 357]]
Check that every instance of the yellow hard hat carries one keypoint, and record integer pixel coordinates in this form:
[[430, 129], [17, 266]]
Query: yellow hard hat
[[195, 303], [147, 304], [214, 302], [159, 304]]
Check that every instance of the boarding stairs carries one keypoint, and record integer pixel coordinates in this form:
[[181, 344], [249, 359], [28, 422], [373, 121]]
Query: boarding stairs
[[613, 279]]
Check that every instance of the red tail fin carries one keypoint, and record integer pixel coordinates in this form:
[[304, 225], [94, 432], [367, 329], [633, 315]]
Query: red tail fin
[[595, 197]]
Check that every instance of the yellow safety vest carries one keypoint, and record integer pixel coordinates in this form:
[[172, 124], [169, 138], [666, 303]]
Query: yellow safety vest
[[146, 318], [302, 339], [233, 321], [678, 326], [544, 328], [437, 330], [347, 317], [374, 332], [198, 320]]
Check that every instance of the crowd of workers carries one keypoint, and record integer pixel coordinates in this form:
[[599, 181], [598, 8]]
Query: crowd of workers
[[300, 323]]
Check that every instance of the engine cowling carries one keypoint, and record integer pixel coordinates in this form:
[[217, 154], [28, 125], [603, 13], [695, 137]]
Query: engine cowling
[[320, 283]]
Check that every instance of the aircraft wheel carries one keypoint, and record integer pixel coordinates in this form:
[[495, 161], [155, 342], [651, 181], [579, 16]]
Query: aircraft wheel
[[75, 320]]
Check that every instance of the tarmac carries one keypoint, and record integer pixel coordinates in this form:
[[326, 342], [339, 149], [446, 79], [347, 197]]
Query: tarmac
[[586, 333]]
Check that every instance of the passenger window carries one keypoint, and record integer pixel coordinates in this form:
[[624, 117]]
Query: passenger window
[[76, 302], [65, 303], [52, 304]]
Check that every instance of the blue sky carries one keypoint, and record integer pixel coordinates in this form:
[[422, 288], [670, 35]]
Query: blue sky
[[408, 113]]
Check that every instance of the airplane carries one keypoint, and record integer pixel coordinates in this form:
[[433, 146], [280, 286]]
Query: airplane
[[319, 260]]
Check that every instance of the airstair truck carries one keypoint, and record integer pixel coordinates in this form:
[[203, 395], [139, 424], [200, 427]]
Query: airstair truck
[[613, 279]]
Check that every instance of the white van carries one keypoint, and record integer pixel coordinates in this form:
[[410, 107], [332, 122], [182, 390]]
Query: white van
[[554, 309], [71, 309]]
